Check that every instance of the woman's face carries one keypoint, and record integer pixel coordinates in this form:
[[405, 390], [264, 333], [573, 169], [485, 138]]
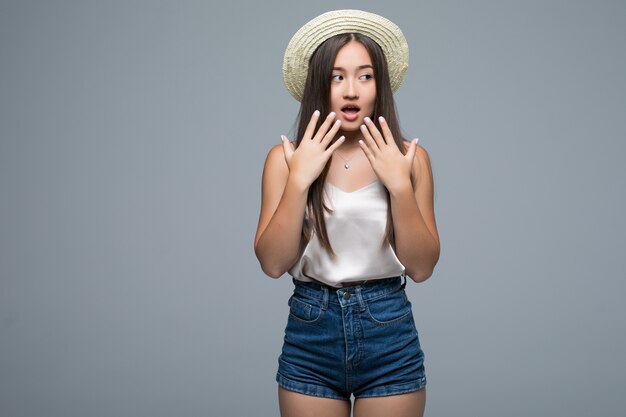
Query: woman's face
[[352, 87]]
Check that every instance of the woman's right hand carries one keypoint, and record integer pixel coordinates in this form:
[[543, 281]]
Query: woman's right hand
[[307, 161]]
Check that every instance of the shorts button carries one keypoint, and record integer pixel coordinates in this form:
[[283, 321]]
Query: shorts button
[[346, 295]]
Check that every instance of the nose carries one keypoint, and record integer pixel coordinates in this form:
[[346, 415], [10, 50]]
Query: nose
[[350, 90]]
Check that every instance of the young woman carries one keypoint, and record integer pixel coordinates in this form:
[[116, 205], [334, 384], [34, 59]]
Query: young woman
[[348, 211]]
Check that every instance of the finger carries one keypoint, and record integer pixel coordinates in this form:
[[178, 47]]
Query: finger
[[288, 148], [319, 136], [368, 153], [310, 128], [371, 143], [288, 143], [387, 132], [335, 145], [410, 153], [374, 132], [331, 133]]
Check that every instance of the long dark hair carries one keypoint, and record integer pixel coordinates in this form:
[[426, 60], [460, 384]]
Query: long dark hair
[[316, 96]]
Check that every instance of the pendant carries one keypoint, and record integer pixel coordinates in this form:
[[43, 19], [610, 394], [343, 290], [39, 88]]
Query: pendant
[[347, 165]]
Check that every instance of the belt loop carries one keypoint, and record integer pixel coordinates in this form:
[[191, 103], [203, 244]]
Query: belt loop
[[359, 297], [325, 298], [404, 277]]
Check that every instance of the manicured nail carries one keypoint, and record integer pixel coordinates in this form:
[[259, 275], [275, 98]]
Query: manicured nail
[[416, 140], [363, 127], [361, 141], [341, 138], [316, 112], [338, 122], [367, 119], [331, 114], [381, 119]]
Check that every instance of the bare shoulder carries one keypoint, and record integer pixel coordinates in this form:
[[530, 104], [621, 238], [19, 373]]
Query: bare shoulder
[[275, 164], [276, 155], [420, 154], [275, 174], [423, 186], [421, 164]]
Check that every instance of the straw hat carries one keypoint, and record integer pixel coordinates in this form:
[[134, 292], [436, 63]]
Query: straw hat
[[306, 40]]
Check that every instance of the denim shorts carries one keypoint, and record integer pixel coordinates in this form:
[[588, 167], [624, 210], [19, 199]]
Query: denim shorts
[[358, 340]]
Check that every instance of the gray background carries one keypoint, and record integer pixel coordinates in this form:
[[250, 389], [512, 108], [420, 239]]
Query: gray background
[[133, 136]]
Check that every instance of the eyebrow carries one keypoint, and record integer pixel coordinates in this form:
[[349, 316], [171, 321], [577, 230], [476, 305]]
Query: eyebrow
[[359, 67]]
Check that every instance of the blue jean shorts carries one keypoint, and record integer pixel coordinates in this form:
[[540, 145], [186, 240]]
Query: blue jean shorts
[[358, 340]]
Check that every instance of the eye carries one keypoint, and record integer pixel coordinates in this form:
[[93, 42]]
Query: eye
[[367, 76], [336, 77]]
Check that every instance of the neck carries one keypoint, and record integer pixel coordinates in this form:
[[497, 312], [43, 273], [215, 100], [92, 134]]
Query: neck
[[349, 147], [352, 138]]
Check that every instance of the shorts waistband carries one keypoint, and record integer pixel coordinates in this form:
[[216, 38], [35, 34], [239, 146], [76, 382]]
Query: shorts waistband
[[352, 294]]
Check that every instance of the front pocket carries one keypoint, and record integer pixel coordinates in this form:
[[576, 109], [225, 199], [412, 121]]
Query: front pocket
[[302, 311], [389, 309]]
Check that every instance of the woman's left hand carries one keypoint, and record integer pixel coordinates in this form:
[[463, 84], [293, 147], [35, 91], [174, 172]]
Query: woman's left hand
[[390, 165]]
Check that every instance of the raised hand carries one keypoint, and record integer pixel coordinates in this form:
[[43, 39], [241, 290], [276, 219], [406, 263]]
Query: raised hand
[[390, 165], [307, 161]]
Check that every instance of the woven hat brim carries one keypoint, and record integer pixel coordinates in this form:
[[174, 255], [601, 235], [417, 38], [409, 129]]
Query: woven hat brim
[[310, 36]]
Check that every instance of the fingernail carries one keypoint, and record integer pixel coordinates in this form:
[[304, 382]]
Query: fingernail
[[316, 112], [416, 140], [341, 138], [362, 127], [331, 114], [367, 119], [361, 141], [381, 119], [338, 122], [282, 137]]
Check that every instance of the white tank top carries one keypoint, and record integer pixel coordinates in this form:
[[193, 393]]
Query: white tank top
[[356, 229]]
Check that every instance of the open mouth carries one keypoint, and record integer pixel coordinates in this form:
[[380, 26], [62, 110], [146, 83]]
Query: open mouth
[[350, 109], [350, 112]]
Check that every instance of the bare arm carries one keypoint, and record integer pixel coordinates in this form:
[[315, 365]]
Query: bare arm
[[287, 176], [415, 230], [277, 239], [408, 179]]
